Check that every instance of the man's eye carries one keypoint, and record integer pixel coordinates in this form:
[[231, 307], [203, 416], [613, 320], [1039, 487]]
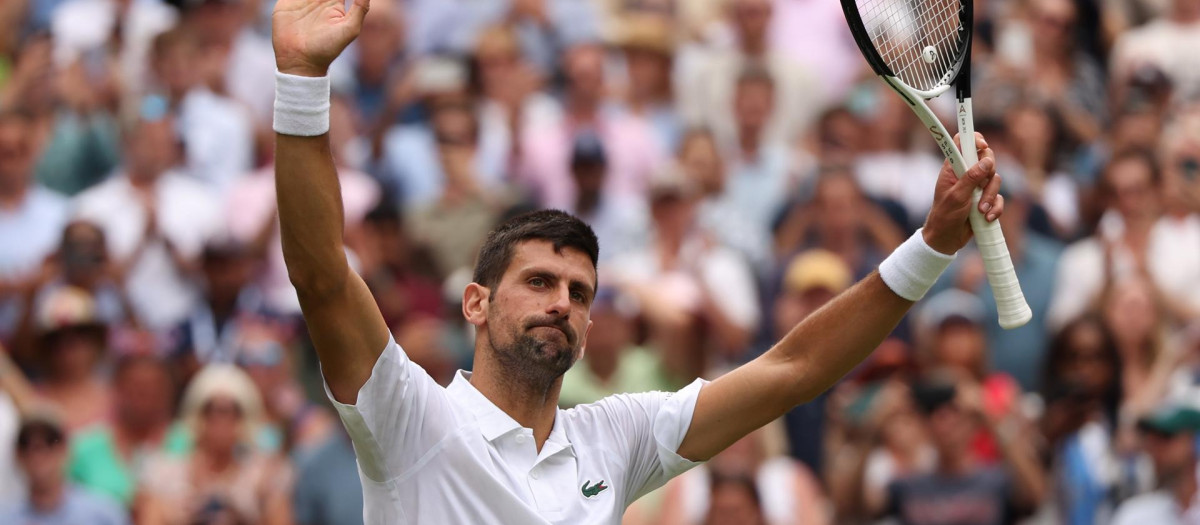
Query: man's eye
[[538, 282], [578, 297]]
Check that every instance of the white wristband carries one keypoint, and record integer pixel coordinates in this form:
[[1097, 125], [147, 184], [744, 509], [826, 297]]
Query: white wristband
[[911, 270], [301, 105]]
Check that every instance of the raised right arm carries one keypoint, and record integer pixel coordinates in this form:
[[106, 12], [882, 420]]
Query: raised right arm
[[343, 321]]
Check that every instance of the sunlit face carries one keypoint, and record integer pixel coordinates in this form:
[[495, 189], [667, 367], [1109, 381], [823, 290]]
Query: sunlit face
[[538, 315]]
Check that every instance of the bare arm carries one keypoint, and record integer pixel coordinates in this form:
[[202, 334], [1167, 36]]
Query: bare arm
[[828, 344], [345, 325]]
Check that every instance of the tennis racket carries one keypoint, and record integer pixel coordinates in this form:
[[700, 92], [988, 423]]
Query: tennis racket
[[921, 48]]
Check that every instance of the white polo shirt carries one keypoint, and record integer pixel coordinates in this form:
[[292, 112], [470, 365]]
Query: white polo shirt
[[433, 455]]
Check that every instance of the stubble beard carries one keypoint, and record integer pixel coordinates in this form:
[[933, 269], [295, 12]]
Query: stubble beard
[[530, 363]]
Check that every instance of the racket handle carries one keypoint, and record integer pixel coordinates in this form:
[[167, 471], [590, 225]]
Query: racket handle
[[1010, 301]]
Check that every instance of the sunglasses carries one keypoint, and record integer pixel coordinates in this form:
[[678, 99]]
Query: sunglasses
[[42, 439]]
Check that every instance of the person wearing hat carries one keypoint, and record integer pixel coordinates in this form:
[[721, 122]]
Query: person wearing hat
[[648, 44], [72, 342], [42, 455], [620, 223], [1169, 438]]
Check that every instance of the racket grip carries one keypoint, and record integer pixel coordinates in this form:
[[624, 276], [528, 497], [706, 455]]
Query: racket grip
[[1010, 300]]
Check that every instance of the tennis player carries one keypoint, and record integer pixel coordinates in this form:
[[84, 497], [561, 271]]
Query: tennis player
[[494, 447]]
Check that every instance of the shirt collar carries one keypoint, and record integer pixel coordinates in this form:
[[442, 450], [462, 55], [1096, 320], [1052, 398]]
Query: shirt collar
[[495, 423]]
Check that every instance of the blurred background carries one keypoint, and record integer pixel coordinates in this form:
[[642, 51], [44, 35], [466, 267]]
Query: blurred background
[[740, 166]]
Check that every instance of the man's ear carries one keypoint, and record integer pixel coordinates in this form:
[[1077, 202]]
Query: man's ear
[[475, 303]]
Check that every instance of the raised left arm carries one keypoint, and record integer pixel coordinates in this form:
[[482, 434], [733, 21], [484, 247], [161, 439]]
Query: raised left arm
[[832, 341]]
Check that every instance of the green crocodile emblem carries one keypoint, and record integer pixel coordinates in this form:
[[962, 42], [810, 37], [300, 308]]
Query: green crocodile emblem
[[594, 489]]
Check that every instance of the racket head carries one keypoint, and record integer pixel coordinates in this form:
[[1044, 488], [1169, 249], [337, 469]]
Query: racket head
[[924, 44]]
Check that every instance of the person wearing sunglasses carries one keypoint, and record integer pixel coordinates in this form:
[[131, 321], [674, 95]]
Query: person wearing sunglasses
[[41, 450]]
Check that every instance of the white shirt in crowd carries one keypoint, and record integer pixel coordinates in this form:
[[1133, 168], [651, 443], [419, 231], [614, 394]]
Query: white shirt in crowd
[[1173, 260], [188, 214], [1159, 508], [30, 231], [218, 137], [428, 454], [83, 29]]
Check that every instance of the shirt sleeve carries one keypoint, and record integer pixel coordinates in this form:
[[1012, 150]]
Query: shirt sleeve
[[647, 429], [399, 415]]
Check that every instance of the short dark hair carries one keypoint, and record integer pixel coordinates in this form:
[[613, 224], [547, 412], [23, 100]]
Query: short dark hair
[[558, 227]]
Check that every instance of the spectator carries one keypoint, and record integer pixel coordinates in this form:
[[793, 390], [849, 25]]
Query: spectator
[[1036, 166], [413, 166], [1161, 44], [960, 489], [229, 305], [708, 91], [109, 457], [1169, 434], [1083, 396], [678, 277], [842, 220], [42, 453], [647, 42], [788, 492], [399, 270], [234, 60], [216, 132], [114, 34], [1132, 313], [510, 91], [629, 143], [73, 342], [1054, 70], [619, 222], [71, 125], [154, 217], [225, 477], [31, 221], [760, 177], [1124, 244], [370, 74], [718, 210]]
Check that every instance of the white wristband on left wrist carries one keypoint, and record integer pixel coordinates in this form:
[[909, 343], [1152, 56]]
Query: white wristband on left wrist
[[913, 268], [301, 105]]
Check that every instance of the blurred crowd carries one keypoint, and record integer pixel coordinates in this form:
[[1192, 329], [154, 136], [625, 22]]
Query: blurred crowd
[[741, 167]]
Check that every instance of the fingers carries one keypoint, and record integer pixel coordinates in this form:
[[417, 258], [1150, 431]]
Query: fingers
[[975, 177], [990, 193], [358, 12], [980, 143]]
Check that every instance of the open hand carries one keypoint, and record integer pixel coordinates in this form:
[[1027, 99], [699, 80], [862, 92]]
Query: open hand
[[309, 34], [947, 228]]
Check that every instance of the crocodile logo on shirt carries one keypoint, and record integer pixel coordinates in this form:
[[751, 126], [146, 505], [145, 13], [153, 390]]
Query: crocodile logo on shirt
[[594, 489]]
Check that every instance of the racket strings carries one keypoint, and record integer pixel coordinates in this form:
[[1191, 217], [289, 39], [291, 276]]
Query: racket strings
[[919, 40]]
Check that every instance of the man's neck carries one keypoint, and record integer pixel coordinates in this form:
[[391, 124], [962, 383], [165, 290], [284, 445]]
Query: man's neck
[[1184, 488], [753, 46], [954, 464], [749, 140], [531, 406], [47, 498]]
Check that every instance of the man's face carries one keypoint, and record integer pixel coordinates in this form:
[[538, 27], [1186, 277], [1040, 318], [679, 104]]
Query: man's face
[[16, 152], [752, 17], [585, 72], [1133, 190], [143, 395], [152, 148], [753, 103], [951, 429], [42, 455], [1173, 454], [538, 315]]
